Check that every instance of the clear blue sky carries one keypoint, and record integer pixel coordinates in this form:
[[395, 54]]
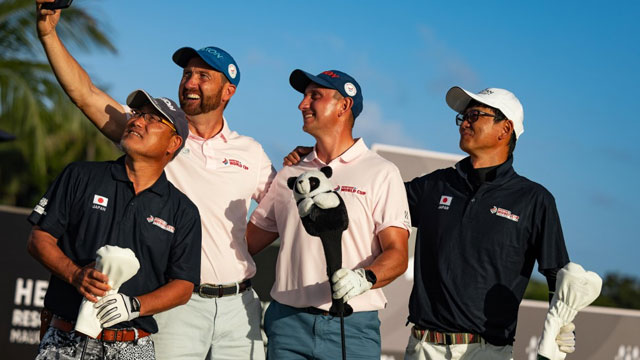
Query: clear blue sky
[[573, 64]]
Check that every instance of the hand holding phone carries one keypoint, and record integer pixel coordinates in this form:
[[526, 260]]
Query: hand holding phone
[[58, 4]]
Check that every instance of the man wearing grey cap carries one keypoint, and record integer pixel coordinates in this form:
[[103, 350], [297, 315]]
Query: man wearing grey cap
[[481, 228], [220, 171], [126, 203]]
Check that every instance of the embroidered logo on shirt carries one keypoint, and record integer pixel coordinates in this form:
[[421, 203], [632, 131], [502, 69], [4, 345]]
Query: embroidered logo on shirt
[[349, 189], [445, 202], [233, 162], [504, 213], [160, 223], [41, 205], [100, 202]]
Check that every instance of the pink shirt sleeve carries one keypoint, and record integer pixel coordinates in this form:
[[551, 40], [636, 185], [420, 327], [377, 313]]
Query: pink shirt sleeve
[[266, 174], [391, 207]]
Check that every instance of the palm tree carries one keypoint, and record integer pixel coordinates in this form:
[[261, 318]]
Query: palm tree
[[50, 130]]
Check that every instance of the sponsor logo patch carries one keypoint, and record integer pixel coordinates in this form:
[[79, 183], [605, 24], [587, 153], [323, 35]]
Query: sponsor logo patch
[[234, 162], [160, 223], [350, 189], [504, 213], [350, 89], [445, 202], [232, 71], [41, 205], [100, 202]]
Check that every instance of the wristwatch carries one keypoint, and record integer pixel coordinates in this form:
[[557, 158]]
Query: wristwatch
[[370, 276]]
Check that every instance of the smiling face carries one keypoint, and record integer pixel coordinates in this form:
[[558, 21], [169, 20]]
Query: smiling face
[[321, 109], [149, 139], [201, 88]]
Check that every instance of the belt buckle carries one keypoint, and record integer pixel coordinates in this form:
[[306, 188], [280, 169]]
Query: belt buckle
[[115, 336], [202, 286]]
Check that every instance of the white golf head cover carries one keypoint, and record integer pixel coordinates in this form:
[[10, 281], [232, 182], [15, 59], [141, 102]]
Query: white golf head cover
[[575, 290], [119, 264]]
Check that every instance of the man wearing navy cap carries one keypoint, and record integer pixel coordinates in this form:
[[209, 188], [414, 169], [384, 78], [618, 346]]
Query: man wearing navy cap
[[220, 171], [93, 204], [374, 246]]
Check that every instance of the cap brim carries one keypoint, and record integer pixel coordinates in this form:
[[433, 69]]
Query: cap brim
[[139, 98], [182, 56], [300, 79], [5, 136], [458, 98]]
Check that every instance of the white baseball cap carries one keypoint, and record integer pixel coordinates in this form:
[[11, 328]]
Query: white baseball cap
[[458, 99]]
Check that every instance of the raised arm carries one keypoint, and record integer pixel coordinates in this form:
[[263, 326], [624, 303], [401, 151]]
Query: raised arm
[[103, 111]]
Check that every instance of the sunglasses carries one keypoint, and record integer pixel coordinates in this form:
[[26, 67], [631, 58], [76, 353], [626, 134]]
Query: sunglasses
[[471, 116], [152, 118]]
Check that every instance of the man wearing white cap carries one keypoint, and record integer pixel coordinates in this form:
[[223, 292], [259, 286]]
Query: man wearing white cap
[[481, 228]]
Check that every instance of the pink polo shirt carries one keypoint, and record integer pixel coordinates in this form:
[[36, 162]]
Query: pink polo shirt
[[374, 195], [221, 175]]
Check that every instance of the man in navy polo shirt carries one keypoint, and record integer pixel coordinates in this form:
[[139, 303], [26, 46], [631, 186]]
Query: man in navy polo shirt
[[481, 228], [91, 205]]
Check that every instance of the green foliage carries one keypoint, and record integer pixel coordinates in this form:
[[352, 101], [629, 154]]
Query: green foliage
[[51, 132], [620, 291]]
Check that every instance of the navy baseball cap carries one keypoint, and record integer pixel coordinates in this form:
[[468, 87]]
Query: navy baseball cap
[[4, 136], [167, 107], [217, 58], [346, 85]]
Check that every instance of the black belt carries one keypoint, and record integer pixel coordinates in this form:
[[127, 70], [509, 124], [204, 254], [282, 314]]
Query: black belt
[[314, 311], [217, 291]]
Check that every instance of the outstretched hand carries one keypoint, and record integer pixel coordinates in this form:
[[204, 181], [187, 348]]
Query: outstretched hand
[[90, 282], [46, 19], [296, 155]]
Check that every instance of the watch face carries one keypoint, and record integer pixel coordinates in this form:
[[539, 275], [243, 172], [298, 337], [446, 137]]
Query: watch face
[[371, 276]]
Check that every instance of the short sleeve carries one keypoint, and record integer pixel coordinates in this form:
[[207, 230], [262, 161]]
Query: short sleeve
[[52, 212], [184, 261], [547, 235], [264, 216], [415, 190], [390, 207], [266, 174]]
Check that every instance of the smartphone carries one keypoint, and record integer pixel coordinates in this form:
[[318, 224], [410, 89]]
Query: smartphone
[[58, 4]]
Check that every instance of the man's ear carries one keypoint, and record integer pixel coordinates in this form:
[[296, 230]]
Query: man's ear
[[327, 171], [507, 128], [346, 105], [228, 91], [174, 144], [291, 182]]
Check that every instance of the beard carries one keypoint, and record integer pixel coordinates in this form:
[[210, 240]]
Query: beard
[[207, 103]]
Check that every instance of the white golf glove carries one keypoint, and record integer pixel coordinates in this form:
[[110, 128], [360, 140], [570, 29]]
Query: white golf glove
[[575, 290], [566, 339], [348, 284], [116, 308]]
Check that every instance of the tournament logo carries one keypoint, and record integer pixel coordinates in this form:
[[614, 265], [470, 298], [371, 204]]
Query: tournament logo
[[504, 213], [100, 202], [445, 202], [232, 71], [234, 162], [350, 189], [160, 223], [350, 89]]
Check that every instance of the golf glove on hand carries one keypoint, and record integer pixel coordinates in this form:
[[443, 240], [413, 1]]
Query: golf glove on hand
[[348, 284], [116, 308], [566, 339], [575, 290]]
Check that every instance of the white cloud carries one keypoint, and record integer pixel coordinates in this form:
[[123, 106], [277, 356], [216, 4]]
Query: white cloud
[[374, 128]]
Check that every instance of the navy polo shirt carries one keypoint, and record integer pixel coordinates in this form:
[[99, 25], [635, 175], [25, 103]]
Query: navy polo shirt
[[475, 251], [92, 204]]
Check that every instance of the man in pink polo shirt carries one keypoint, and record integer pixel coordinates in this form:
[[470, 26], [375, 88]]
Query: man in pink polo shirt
[[374, 247], [220, 171]]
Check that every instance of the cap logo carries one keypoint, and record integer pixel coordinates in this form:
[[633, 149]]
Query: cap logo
[[213, 52], [232, 71], [331, 74], [350, 89], [166, 101], [486, 92]]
